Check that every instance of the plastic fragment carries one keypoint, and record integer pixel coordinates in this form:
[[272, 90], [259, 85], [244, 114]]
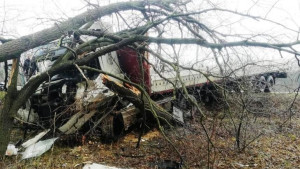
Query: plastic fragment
[[98, 166], [38, 148], [35, 139], [11, 150]]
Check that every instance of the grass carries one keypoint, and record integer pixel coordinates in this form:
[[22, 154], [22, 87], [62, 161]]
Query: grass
[[277, 147], [2, 95]]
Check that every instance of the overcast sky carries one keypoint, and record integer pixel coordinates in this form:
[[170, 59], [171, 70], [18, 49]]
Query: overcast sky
[[22, 17]]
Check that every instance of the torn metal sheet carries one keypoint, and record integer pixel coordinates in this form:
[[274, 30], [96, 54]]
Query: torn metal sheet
[[178, 114], [38, 148], [35, 139]]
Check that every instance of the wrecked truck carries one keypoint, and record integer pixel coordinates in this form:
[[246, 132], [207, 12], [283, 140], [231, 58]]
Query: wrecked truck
[[50, 103]]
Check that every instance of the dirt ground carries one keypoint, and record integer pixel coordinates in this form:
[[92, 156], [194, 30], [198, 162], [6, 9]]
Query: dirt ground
[[271, 140]]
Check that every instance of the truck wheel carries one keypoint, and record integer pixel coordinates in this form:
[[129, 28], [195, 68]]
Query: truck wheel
[[269, 84], [261, 84], [208, 94]]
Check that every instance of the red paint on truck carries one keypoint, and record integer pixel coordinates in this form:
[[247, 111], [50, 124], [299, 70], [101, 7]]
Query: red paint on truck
[[128, 59]]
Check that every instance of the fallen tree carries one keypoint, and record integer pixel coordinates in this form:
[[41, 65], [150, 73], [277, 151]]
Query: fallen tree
[[14, 48]]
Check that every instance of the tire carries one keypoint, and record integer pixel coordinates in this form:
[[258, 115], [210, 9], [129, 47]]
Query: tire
[[269, 85], [261, 84], [208, 94]]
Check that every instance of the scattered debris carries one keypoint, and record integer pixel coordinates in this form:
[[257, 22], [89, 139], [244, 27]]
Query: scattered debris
[[178, 114], [38, 148], [11, 150], [27, 116], [98, 166], [246, 165], [35, 139]]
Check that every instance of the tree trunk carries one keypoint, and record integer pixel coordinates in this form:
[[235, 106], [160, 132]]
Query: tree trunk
[[6, 118]]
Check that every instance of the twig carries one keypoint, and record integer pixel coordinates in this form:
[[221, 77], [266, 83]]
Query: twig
[[81, 72]]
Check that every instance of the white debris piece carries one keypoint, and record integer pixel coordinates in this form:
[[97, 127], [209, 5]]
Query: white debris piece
[[24, 113], [11, 150], [130, 104], [98, 87], [38, 148], [245, 165], [80, 91], [35, 139], [95, 88], [64, 89], [98, 166], [178, 114]]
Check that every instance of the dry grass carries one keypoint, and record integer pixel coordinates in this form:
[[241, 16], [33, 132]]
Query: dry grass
[[278, 144], [2, 95]]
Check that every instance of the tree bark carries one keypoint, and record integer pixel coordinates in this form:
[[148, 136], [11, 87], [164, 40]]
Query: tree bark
[[6, 118]]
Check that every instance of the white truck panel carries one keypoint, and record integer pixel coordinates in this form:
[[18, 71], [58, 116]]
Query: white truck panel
[[189, 78]]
